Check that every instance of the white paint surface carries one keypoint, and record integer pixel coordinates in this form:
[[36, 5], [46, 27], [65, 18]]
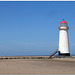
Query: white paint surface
[[63, 41]]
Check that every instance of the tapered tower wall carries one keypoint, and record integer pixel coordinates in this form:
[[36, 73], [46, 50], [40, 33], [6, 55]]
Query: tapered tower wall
[[63, 39]]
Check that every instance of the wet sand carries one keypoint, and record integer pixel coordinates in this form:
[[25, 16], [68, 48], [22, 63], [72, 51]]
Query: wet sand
[[37, 66]]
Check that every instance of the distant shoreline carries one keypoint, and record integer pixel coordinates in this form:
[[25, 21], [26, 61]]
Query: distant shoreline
[[24, 57], [31, 55]]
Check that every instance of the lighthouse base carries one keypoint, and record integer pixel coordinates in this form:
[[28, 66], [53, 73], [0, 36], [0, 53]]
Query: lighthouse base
[[61, 57], [64, 54]]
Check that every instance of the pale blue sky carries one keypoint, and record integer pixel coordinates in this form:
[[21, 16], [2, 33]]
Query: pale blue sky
[[31, 28]]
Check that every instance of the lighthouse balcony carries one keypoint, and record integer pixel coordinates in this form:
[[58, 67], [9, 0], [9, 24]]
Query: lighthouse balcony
[[63, 28]]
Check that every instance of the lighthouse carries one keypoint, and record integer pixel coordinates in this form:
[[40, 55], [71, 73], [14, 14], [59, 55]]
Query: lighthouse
[[64, 49]]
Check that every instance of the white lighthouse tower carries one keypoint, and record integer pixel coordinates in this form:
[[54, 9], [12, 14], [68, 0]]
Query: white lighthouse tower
[[64, 49]]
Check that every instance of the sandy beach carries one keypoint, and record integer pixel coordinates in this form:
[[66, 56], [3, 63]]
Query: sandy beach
[[37, 66]]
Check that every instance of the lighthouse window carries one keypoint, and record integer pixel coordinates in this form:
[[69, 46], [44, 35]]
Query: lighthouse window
[[63, 25]]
